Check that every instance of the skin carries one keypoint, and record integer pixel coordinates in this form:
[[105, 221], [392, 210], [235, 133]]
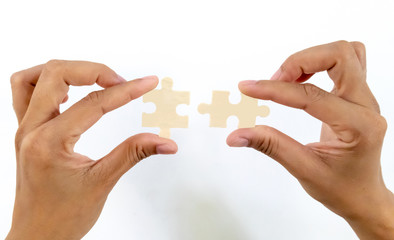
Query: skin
[[60, 193], [342, 171]]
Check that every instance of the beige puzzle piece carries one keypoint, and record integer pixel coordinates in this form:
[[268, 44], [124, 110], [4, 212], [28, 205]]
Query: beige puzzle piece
[[166, 101], [246, 110]]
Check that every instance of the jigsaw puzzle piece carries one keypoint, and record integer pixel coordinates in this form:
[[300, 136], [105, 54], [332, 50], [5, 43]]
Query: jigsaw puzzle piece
[[247, 111], [220, 109], [166, 101]]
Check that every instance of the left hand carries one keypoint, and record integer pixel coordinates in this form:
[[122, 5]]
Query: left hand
[[60, 193]]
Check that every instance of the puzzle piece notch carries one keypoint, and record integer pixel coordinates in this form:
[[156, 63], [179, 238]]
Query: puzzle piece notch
[[220, 109], [166, 101]]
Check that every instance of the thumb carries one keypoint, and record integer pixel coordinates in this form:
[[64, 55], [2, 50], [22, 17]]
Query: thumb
[[295, 157], [111, 167]]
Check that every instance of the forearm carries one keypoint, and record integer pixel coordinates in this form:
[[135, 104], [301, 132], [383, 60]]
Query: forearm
[[378, 222]]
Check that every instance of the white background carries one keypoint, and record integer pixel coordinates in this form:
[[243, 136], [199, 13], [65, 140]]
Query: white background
[[207, 190]]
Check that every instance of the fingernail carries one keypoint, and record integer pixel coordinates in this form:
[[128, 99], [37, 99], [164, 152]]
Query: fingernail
[[121, 79], [239, 142], [277, 74], [165, 148], [149, 78], [248, 82]]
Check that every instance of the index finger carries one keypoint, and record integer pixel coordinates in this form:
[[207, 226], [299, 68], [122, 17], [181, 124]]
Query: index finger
[[53, 84], [341, 115], [83, 114]]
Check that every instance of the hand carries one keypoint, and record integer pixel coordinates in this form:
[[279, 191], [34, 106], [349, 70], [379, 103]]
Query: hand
[[60, 193], [343, 170]]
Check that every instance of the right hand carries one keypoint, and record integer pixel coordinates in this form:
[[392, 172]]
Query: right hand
[[343, 170]]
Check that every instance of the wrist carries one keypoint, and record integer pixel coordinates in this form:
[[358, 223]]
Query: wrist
[[33, 235], [375, 220], [38, 230], [30, 233]]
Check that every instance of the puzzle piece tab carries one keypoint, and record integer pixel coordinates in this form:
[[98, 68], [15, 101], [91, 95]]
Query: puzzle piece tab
[[166, 101], [246, 110]]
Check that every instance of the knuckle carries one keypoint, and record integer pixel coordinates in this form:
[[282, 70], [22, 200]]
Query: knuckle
[[292, 57], [268, 144], [292, 64], [28, 143], [32, 144], [94, 97], [108, 72], [341, 42], [135, 153], [381, 126], [40, 146], [291, 60], [16, 78], [375, 105], [312, 92], [104, 67], [360, 50], [375, 127], [54, 65], [20, 133], [359, 46], [346, 50]]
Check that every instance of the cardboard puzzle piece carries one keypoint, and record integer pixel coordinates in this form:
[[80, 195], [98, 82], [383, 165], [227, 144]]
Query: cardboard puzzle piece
[[246, 110], [166, 101]]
